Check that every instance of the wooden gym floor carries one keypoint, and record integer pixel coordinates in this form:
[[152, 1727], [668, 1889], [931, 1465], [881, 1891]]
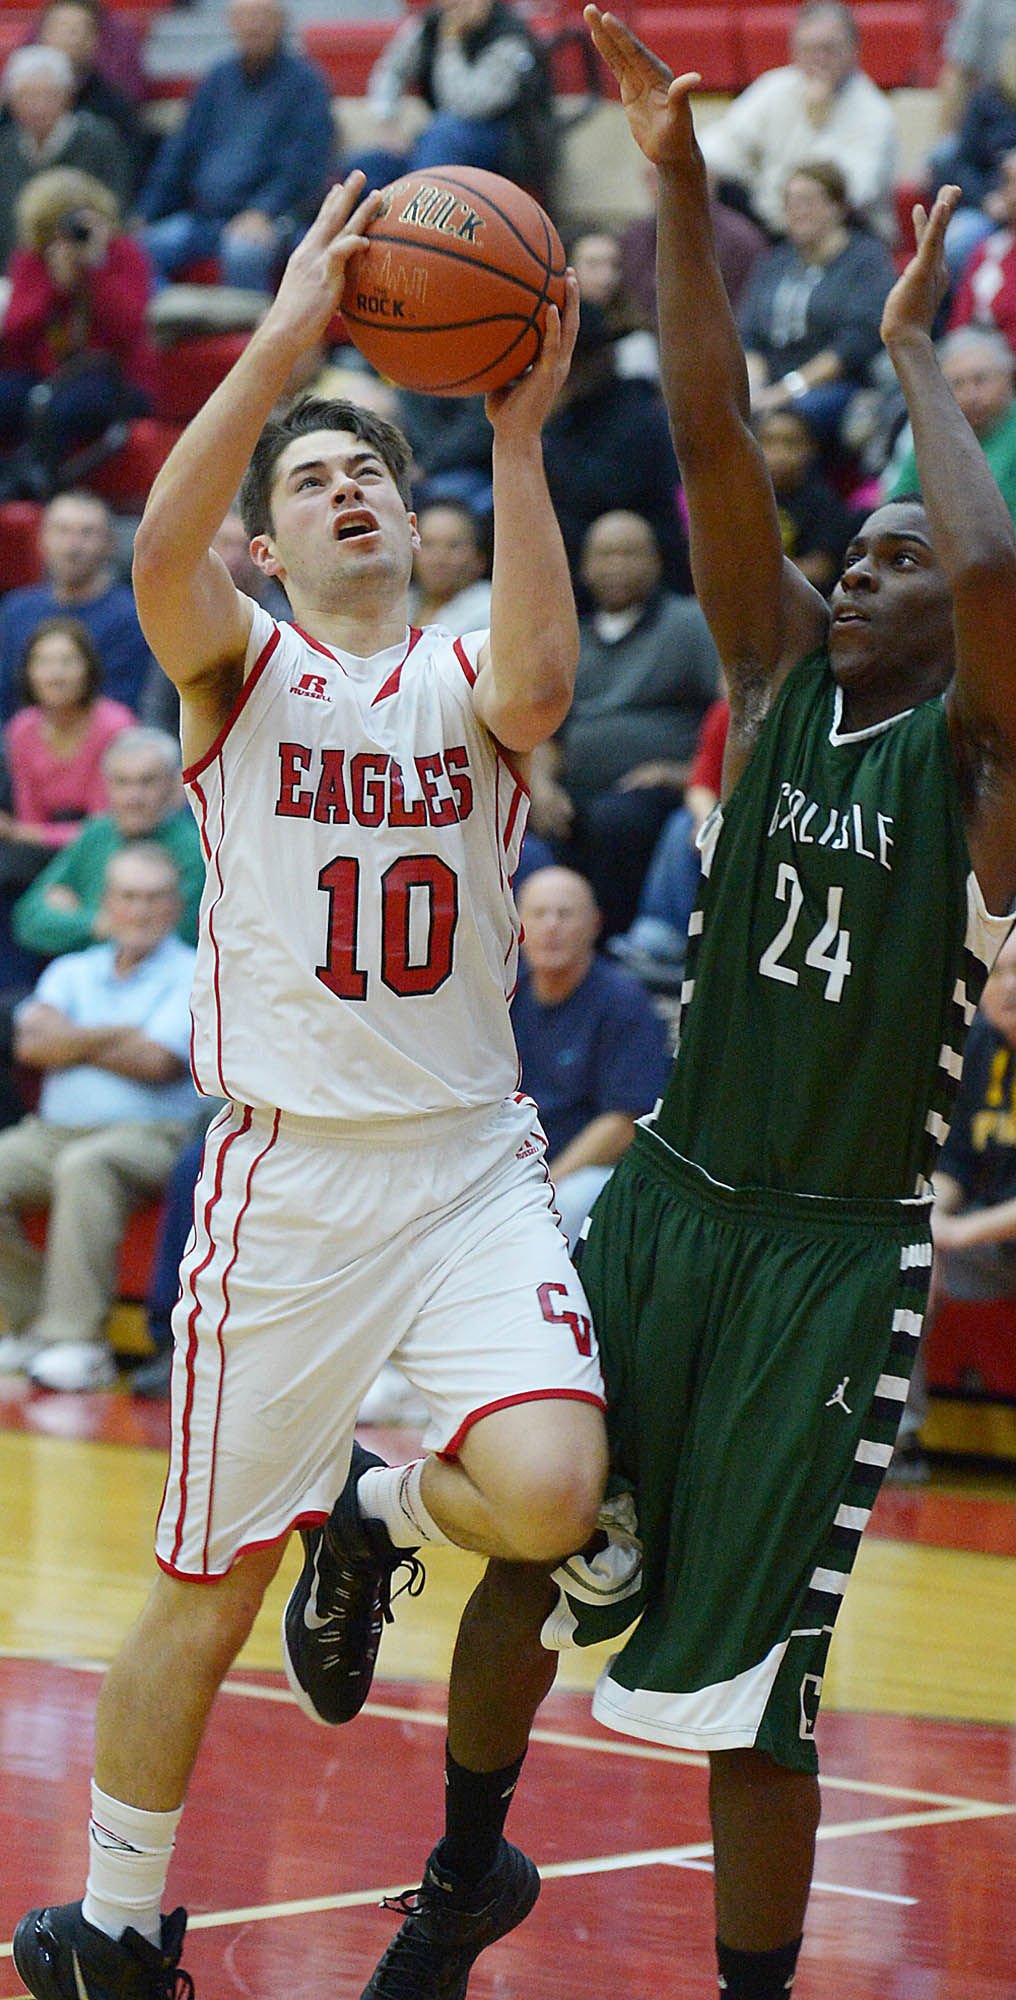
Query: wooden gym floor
[[293, 1833]]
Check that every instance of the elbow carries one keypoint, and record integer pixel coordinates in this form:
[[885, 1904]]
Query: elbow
[[528, 724], [525, 711], [152, 545], [163, 1067]]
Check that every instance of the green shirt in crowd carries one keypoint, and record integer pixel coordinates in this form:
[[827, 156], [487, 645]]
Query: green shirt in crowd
[[81, 866], [999, 448]]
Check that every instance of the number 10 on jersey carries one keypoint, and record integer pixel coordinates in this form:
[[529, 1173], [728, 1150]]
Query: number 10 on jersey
[[419, 895]]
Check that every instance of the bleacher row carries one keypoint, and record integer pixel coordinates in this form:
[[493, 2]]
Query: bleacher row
[[730, 43]]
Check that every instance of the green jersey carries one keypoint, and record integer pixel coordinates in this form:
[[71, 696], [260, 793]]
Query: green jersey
[[836, 958]]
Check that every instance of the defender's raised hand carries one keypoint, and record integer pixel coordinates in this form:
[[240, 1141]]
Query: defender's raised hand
[[655, 100], [917, 294]]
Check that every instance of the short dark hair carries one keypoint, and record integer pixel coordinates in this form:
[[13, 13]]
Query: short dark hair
[[317, 413], [826, 174], [80, 636]]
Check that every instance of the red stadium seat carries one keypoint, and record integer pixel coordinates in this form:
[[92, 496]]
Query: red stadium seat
[[20, 561], [702, 38], [971, 1348], [136, 1251], [346, 51], [14, 29], [898, 40], [124, 479], [191, 369], [203, 271]]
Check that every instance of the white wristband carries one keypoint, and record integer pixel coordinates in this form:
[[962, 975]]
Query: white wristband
[[795, 383]]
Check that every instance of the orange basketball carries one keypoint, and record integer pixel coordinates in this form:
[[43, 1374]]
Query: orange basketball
[[451, 294]]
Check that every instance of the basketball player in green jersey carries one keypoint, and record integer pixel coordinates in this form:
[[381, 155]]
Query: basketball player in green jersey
[[758, 1264]]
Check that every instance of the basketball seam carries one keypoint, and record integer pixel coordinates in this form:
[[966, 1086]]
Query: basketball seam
[[454, 256], [448, 174], [534, 293]]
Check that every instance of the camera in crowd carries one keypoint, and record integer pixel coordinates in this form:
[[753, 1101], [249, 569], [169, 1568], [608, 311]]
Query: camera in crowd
[[74, 226]]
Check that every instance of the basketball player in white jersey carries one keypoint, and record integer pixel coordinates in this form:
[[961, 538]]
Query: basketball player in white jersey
[[376, 1184]]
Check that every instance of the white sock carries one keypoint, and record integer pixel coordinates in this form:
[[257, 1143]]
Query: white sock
[[129, 1852], [391, 1493]]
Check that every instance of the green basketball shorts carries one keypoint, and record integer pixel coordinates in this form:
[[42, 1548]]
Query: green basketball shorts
[[757, 1349]]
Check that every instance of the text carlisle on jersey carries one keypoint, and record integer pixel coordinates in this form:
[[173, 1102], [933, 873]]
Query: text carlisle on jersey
[[814, 825], [367, 788]]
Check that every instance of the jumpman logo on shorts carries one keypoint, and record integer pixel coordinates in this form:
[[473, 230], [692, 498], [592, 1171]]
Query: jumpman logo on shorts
[[838, 1400]]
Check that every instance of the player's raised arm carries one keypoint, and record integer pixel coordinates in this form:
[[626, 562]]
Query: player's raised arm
[[192, 616], [527, 668], [973, 538], [761, 613]]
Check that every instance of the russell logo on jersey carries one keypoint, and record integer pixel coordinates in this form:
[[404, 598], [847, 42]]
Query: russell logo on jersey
[[314, 686]]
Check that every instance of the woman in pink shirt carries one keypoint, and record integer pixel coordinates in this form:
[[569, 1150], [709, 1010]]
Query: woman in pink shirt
[[53, 747]]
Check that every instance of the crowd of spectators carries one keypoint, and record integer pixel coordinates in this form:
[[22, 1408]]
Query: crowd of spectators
[[99, 212]]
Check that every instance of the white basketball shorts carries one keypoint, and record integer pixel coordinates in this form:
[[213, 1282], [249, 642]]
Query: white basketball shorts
[[320, 1251]]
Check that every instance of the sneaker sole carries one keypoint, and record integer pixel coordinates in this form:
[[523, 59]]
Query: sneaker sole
[[37, 1973], [295, 1605]]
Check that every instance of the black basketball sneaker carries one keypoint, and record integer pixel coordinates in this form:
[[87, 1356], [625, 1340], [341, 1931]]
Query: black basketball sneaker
[[340, 1604], [61, 1957], [430, 1957]]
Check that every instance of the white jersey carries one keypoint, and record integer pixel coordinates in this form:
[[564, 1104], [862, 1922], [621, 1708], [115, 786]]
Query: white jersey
[[359, 941]]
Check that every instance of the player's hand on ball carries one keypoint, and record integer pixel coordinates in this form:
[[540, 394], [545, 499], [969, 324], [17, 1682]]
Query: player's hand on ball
[[532, 396], [316, 271]]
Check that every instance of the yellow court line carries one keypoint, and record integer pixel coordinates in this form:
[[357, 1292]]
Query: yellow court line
[[608, 1747], [828, 1888], [305, 1906], [952, 1804], [691, 1854]]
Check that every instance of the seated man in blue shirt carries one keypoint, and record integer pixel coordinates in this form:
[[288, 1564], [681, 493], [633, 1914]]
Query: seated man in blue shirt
[[109, 1028], [242, 177], [79, 580], [593, 1048]]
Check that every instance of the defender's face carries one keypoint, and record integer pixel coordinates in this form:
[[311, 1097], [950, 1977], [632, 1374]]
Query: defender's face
[[891, 609], [337, 515]]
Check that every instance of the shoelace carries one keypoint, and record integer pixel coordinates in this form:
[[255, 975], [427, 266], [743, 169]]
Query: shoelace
[[405, 1904], [350, 1578], [412, 1587], [331, 1646], [410, 1954]]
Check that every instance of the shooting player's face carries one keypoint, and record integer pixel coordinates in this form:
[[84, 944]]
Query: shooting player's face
[[337, 516]]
